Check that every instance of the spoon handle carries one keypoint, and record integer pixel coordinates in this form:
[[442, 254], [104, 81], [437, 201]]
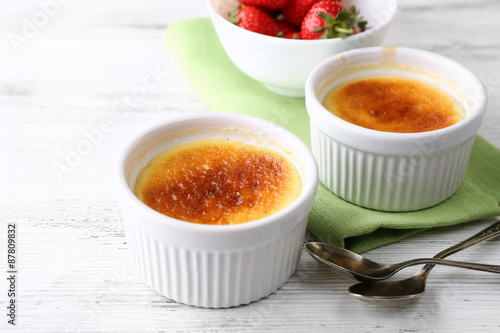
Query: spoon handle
[[488, 233], [462, 264]]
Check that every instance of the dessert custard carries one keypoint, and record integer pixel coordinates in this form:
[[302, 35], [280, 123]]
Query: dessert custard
[[213, 181], [394, 104]]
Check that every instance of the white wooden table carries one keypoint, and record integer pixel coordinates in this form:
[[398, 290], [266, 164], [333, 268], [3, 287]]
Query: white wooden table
[[65, 68]]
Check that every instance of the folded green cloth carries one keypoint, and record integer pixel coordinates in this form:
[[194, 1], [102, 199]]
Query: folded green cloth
[[224, 88]]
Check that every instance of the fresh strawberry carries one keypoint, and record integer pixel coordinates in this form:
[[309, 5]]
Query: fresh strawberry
[[273, 4], [254, 19], [329, 19], [313, 25], [296, 10]]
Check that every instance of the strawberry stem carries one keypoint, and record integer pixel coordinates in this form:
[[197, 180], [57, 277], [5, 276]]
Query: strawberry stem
[[342, 25], [344, 30], [232, 16]]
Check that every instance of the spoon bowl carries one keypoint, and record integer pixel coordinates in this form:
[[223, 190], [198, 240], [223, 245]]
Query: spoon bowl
[[342, 261], [392, 293]]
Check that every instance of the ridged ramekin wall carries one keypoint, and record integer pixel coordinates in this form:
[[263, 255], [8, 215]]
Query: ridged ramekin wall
[[215, 278], [385, 182]]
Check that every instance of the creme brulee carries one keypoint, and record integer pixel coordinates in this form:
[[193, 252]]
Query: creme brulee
[[394, 104], [212, 181]]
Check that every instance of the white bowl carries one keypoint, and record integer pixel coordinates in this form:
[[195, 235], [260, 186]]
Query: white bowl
[[215, 265], [283, 65], [393, 171]]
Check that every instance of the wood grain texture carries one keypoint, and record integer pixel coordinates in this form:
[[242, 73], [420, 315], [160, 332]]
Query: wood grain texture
[[75, 77]]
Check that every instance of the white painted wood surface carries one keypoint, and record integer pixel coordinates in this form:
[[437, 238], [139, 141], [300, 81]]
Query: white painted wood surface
[[62, 83]]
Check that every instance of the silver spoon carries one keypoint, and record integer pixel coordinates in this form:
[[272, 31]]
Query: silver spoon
[[397, 293], [352, 265]]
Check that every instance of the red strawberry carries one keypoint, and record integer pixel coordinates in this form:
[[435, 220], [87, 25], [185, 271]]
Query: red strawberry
[[312, 23], [254, 19], [273, 4], [296, 10], [329, 19]]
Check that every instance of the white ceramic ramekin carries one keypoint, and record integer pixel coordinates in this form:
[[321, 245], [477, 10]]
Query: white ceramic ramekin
[[283, 65], [212, 265], [393, 171]]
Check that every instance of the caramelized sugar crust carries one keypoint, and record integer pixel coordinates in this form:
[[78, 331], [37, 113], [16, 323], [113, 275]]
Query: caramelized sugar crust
[[213, 181], [394, 104]]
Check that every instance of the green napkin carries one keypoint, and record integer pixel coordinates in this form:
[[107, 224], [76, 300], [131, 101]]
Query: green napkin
[[224, 88]]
